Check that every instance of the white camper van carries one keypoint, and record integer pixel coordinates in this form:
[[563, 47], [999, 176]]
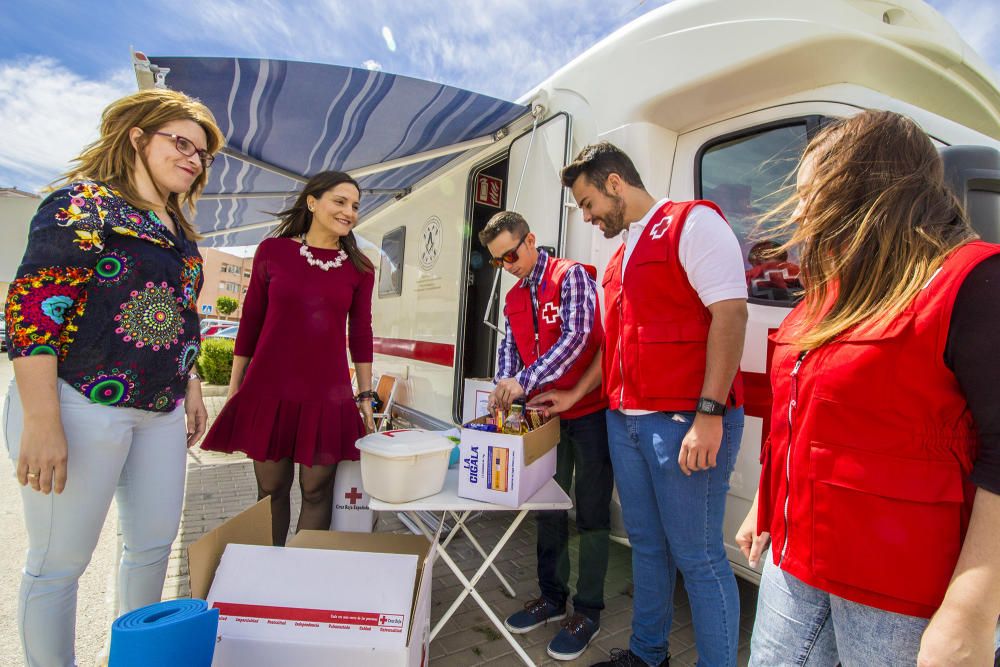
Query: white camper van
[[712, 99]]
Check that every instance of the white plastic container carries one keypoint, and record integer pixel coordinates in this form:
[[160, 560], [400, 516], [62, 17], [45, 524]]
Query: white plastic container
[[404, 465]]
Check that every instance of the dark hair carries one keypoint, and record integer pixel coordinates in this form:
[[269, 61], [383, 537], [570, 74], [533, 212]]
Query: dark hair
[[296, 220], [504, 221], [597, 162], [766, 251]]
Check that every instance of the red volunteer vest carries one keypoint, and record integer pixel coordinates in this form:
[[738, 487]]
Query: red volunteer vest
[[656, 326], [518, 309], [878, 446]]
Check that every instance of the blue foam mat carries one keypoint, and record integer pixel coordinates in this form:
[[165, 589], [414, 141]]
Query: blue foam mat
[[165, 634]]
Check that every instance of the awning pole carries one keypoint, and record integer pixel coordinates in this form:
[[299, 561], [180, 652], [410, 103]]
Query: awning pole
[[260, 164], [378, 168]]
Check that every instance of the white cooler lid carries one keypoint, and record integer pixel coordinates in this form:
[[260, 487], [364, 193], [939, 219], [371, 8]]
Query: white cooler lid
[[404, 443]]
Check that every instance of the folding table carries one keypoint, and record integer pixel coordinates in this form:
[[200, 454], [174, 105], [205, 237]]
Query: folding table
[[447, 502]]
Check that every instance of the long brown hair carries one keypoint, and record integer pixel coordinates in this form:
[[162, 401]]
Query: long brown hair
[[111, 159], [872, 224], [296, 220]]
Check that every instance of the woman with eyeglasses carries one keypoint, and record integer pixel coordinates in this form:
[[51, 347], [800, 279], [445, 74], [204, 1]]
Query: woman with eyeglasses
[[290, 395], [102, 327]]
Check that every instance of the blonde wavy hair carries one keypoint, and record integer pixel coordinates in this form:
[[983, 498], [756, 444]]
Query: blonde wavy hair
[[871, 225], [111, 159]]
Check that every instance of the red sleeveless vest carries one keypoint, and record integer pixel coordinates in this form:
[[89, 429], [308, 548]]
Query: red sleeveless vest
[[656, 326], [864, 476], [518, 309]]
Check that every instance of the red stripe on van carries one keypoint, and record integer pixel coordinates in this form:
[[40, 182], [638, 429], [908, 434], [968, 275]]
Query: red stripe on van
[[432, 353]]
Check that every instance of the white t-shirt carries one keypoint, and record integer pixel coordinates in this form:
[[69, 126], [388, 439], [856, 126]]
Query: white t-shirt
[[709, 253]]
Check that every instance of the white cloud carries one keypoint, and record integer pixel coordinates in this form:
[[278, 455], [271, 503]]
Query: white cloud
[[502, 49], [372, 65], [48, 114], [390, 42], [252, 27]]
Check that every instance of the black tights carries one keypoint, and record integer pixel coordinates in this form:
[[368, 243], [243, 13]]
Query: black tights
[[274, 478]]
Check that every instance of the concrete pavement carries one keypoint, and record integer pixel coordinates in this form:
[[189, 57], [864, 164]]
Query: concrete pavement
[[221, 486]]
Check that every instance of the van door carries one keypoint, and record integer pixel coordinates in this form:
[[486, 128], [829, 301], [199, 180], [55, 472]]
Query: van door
[[525, 179]]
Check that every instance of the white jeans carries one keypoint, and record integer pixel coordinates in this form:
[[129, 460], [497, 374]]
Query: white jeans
[[134, 455]]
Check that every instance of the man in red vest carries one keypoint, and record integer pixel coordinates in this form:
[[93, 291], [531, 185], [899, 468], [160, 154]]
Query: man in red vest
[[675, 304], [553, 334]]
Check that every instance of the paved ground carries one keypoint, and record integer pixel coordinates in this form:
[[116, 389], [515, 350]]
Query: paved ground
[[220, 486]]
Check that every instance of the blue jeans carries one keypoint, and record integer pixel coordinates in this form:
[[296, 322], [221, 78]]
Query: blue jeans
[[675, 522], [798, 624], [137, 457]]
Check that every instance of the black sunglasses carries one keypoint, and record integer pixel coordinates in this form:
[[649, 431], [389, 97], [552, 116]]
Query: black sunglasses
[[508, 257], [186, 147]]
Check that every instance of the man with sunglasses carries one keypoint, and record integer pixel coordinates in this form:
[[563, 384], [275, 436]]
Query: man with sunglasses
[[553, 334], [675, 304]]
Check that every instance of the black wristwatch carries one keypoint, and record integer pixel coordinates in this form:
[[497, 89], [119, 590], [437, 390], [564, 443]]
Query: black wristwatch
[[707, 406]]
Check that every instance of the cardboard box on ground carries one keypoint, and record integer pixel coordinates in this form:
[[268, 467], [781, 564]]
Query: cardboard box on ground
[[326, 598]]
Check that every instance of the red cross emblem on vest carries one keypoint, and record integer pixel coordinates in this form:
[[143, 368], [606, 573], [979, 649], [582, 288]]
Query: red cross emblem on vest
[[660, 228], [354, 495], [550, 313]]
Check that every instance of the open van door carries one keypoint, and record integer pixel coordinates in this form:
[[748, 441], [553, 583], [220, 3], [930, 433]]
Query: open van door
[[526, 179]]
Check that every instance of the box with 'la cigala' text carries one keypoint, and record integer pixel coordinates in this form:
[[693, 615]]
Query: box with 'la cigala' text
[[506, 469]]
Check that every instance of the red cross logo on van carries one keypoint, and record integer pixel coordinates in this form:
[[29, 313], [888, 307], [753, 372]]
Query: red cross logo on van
[[354, 496], [660, 228], [550, 313]]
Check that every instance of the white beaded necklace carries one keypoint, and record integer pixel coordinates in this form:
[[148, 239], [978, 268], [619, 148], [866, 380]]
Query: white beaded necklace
[[334, 263]]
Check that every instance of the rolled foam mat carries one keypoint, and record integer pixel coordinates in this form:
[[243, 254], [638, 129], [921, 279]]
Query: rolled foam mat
[[165, 634]]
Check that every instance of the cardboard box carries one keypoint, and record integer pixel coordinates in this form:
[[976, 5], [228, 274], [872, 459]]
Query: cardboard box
[[476, 394], [506, 469], [328, 598]]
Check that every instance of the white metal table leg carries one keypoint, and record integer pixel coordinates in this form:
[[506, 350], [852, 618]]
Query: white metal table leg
[[460, 523], [470, 585]]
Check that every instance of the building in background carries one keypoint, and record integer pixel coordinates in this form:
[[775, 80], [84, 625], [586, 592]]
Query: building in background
[[16, 210], [226, 274]]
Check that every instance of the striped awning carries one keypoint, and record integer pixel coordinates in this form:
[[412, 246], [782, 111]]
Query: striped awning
[[284, 121]]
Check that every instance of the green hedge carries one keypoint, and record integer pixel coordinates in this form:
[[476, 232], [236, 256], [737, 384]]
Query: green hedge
[[215, 363]]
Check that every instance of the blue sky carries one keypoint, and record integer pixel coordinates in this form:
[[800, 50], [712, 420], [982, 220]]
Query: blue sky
[[62, 61]]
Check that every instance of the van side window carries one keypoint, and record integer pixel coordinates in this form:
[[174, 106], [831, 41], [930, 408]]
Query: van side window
[[390, 269], [747, 175]]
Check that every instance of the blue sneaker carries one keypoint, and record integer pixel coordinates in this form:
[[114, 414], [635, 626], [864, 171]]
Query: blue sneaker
[[535, 614], [574, 638]]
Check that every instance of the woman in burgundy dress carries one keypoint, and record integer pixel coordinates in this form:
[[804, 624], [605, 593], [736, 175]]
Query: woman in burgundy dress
[[290, 398]]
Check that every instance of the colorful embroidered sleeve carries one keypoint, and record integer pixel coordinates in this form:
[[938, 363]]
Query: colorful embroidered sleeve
[[64, 244]]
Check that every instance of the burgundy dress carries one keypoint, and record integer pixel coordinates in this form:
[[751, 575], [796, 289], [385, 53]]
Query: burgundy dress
[[296, 399]]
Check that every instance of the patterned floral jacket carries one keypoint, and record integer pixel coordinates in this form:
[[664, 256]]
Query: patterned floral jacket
[[110, 291]]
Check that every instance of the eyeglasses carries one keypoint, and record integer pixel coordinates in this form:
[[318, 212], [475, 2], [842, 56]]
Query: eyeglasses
[[186, 147], [508, 257]]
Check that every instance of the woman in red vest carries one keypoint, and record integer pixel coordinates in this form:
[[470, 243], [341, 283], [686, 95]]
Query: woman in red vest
[[880, 479]]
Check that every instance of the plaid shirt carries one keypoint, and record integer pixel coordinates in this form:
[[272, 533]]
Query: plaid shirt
[[577, 309]]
